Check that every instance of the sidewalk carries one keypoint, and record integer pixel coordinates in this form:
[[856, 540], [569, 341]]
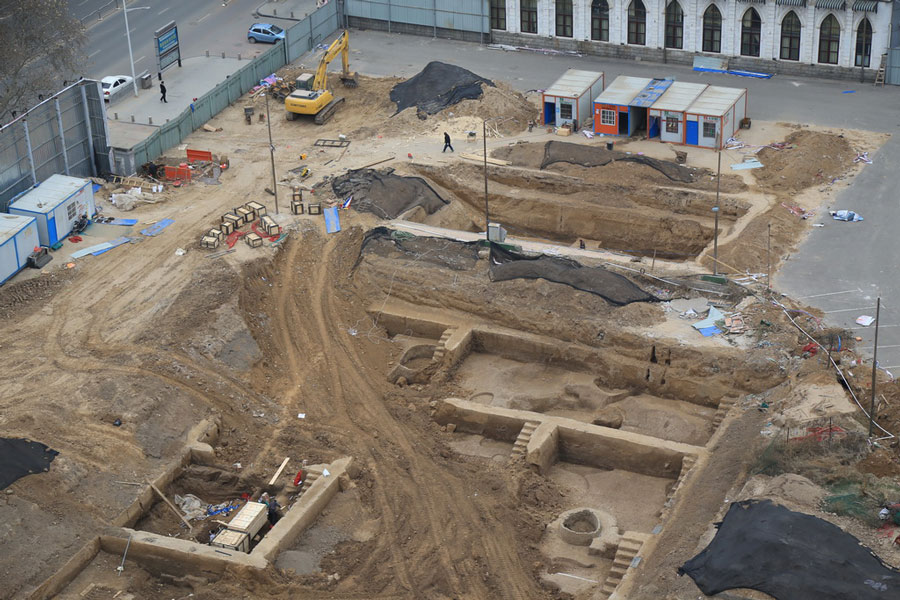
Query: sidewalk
[[195, 77], [289, 10]]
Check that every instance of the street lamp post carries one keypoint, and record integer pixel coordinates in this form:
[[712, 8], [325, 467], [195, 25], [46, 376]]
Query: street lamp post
[[487, 235], [271, 153], [125, 10]]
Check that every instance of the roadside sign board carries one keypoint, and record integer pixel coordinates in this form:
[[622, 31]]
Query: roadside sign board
[[168, 52]]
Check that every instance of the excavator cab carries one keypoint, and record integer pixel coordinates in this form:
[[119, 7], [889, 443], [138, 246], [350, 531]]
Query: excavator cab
[[311, 96]]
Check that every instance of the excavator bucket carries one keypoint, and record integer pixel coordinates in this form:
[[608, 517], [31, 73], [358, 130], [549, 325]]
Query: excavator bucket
[[350, 80]]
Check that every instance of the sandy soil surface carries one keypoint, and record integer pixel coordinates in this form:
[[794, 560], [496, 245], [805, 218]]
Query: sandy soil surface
[[160, 340]]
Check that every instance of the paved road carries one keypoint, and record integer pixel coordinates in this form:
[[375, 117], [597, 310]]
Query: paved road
[[202, 25]]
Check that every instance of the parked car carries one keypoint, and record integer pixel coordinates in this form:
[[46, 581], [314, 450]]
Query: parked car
[[264, 32], [113, 84]]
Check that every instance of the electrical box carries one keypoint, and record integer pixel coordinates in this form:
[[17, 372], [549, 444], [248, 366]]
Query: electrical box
[[496, 233]]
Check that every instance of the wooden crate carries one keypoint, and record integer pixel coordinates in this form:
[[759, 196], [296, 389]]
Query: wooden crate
[[216, 233], [226, 228], [253, 240], [244, 213], [315, 208], [259, 209], [234, 220], [209, 241], [297, 207], [269, 226]]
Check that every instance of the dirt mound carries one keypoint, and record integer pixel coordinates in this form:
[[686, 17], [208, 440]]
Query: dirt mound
[[816, 158], [436, 87], [385, 194], [880, 463], [597, 156]]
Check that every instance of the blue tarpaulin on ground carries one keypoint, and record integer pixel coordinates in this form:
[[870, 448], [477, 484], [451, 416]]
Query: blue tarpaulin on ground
[[112, 244], [738, 73], [123, 222], [707, 326], [156, 228], [332, 220]]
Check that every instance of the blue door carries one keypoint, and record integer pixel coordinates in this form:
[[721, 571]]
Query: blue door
[[654, 127], [549, 113], [693, 135]]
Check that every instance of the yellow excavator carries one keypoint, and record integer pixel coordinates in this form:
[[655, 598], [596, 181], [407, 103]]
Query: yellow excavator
[[311, 96]]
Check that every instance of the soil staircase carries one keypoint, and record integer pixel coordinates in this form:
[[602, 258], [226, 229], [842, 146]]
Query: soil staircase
[[687, 463], [722, 412], [311, 477], [629, 546], [879, 74], [518, 451], [441, 348]]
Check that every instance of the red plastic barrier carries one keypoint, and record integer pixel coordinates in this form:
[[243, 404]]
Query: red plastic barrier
[[193, 155]]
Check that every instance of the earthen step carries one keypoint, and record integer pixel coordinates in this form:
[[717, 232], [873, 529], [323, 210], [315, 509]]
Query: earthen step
[[521, 443]]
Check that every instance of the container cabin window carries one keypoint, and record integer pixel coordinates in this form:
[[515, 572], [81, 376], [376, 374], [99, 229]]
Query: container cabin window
[[712, 29], [600, 21], [529, 16], [565, 110], [709, 129], [674, 25], [70, 211], [563, 18], [829, 41], [637, 23], [672, 124], [607, 117], [751, 29], [498, 14], [790, 37], [863, 44]]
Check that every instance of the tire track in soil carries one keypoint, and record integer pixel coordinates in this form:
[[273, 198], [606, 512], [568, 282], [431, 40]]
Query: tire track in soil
[[457, 510]]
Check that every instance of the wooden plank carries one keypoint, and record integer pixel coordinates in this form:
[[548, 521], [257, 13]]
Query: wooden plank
[[480, 158], [172, 506], [374, 163], [278, 472]]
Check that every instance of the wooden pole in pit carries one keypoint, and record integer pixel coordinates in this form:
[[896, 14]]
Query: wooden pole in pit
[[769, 258], [874, 367]]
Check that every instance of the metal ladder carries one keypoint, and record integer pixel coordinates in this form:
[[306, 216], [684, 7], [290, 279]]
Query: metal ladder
[[879, 75]]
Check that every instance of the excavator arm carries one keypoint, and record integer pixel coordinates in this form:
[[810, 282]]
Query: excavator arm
[[339, 46]]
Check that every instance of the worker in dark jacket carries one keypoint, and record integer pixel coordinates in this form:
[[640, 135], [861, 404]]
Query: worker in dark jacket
[[447, 142]]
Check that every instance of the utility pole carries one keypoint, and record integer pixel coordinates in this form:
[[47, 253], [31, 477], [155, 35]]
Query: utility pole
[[125, 10], [271, 152], [874, 367], [769, 258], [484, 141], [716, 207]]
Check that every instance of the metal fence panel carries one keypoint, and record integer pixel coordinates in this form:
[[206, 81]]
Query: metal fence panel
[[367, 9], [892, 72], [459, 15], [45, 141]]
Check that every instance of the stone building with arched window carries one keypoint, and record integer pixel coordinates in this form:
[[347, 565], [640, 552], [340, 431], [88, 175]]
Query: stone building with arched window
[[830, 38]]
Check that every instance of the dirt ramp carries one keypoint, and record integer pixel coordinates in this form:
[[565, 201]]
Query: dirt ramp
[[385, 194], [613, 288], [438, 86], [811, 158]]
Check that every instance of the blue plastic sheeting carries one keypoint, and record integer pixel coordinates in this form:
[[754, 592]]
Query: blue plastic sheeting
[[96, 187], [157, 228], [123, 222], [332, 220], [707, 326], [651, 93], [738, 73], [112, 244]]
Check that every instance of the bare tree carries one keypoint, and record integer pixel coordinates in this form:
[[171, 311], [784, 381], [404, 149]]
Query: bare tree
[[40, 47]]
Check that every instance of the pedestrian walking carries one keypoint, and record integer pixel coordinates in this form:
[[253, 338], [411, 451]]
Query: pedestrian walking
[[162, 90], [447, 142]]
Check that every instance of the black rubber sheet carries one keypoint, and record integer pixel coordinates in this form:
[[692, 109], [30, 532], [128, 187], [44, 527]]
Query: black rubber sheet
[[20, 457], [789, 556], [612, 287], [438, 86], [385, 194]]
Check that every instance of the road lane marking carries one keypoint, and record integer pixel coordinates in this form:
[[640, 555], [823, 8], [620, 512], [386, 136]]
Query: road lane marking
[[828, 312], [164, 10], [203, 17], [880, 347], [93, 54], [140, 59], [832, 293]]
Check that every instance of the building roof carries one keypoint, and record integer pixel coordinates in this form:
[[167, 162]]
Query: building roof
[[573, 83], [10, 225], [715, 101], [651, 93], [49, 194], [679, 96], [623, 90]]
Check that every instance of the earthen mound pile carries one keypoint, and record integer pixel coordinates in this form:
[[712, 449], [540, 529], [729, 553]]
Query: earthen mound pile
[[385, 194], [436, 87]]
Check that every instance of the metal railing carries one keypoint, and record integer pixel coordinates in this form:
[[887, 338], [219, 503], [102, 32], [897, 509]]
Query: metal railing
[[105, 10]]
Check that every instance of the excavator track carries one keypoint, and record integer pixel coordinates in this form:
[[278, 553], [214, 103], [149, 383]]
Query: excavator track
[[326, 113]]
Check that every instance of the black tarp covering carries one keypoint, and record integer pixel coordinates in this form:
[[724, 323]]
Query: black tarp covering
[[790, 556], [451, 254], [612, 287], [598, 156], [438, 86], [385, 194], [19, 458]]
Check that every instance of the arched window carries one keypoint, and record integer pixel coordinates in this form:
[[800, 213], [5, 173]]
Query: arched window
[[751, 27], [528, 15], [498, 14], [829, 41], [600, 20], [790, 37], [863, 43], [637, 23], [563, 18], [712, 29], [674, 25]]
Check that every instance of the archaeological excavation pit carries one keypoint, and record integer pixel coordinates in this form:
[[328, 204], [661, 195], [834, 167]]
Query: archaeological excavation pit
[[564, 192]]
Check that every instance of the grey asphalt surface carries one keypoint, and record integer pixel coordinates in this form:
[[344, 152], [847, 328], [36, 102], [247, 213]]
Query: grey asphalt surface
[[202, 25]]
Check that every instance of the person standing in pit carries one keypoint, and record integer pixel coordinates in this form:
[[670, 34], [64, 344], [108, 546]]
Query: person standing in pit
[[447, 142]]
